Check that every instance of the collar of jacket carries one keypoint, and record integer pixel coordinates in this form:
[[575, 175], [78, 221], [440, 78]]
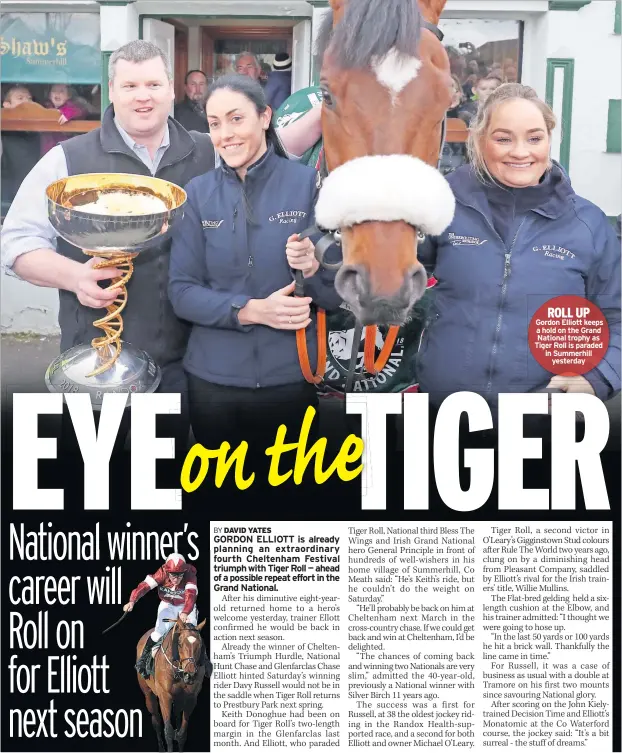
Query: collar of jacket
[[196, 107], [551, 198], [181, 143], [258, 171]]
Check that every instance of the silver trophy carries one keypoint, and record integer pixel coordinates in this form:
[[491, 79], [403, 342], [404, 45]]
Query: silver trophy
[[113, 216]]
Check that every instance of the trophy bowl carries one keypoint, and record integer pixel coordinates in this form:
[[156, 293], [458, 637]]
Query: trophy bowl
[[113, 216]]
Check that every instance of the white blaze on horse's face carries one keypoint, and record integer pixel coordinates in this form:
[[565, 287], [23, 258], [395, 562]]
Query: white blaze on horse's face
[[395, 70], [191, 639]]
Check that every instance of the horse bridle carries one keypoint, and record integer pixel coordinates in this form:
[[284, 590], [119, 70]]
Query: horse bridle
[[178, 671], [330, 238]]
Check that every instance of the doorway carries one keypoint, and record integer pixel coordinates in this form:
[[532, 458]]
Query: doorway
[[220, 46], [211, 44]]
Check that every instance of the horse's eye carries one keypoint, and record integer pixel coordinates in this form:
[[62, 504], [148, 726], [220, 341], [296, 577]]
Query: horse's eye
[[327, 98]]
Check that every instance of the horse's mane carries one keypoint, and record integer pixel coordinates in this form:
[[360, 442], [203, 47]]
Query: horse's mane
[[370, 29]]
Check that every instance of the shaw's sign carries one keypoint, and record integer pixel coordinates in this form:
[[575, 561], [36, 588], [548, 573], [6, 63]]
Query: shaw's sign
[[34, 50]]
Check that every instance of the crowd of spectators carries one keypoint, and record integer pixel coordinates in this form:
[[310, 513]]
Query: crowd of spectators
[[275, 80]]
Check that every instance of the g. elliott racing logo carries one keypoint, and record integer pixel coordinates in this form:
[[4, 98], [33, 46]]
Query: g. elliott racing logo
[[211, 223], [465, 240], [340, 343], [288, 217], [555, 252]]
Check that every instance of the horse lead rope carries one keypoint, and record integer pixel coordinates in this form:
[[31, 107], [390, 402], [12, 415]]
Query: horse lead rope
[[372, 365], [301, 339]]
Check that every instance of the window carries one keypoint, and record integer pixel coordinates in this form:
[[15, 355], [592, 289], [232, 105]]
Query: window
[[482, 54], [49, 61]]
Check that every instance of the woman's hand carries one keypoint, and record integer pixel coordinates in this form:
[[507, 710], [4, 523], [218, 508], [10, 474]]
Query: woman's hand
[[62, 120], [571, 384], [301, 255], [279, 310]]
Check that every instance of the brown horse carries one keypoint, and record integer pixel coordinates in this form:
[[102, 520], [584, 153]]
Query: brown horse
[[386, 88], [176, 681]]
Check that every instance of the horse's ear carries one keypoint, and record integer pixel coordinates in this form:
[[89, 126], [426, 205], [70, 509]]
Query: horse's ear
[[202, 624], [338, 7], [431, 10]]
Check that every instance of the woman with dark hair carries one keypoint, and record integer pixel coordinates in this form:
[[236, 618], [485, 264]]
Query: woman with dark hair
[[232, 276]]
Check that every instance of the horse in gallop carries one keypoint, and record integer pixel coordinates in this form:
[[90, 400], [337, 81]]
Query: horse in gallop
[[386, 87], [171, 691]]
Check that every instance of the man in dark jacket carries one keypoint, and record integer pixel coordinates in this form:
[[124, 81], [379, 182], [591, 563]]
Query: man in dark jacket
[[191, 111], [279, 85], [136, 136]]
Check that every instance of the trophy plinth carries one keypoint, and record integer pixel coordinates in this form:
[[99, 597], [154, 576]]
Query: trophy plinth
[[114, 217]]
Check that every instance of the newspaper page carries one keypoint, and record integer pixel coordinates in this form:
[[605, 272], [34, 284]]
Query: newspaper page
[[423, 551]]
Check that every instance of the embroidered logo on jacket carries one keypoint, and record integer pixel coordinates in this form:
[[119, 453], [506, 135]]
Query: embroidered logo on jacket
[[555, 252], [211, 223], [288, 217], [465, 240]]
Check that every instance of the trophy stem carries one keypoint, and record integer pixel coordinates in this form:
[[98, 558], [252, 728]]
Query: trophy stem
[[109, 345]]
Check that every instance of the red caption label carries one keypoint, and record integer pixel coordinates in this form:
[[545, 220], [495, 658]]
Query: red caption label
[[568, 335]]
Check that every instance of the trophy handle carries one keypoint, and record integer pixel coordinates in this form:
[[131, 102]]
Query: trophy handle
[[109, 345]]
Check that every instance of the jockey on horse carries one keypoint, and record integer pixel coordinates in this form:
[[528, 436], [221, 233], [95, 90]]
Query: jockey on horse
[[176, 582]]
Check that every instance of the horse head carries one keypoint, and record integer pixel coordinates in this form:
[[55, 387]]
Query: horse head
[[386, 88], [190, 648]]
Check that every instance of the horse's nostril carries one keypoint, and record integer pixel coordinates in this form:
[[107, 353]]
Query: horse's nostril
[[350, 281], [418, 281]]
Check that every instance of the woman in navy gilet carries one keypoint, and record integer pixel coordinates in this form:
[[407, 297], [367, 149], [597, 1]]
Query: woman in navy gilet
[[232, 269]]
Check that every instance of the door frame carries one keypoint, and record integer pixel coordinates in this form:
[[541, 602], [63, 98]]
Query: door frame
[[210, 34], [214, 19]]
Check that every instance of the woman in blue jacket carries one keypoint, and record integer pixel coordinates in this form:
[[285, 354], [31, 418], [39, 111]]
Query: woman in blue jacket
[[520, 236], [231, 276]]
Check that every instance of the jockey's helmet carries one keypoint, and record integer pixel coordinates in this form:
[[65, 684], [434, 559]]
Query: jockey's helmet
[[175, 564]]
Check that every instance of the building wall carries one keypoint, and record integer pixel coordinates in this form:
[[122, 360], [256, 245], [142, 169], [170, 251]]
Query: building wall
[[587, 36]]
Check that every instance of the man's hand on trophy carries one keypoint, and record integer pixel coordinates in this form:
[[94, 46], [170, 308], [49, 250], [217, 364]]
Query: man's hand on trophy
[[86, 288]]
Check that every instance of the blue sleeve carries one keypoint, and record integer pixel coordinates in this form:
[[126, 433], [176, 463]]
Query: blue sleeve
[[321, 287], [426, 253], [189, 292], [603, 289]]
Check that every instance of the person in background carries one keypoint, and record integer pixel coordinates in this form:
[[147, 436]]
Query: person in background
[[481, 91], [454, 154], [20, 149], [248, 64], [494, 263], [457, 98], [473, 67], [231, 277], [468, 85], [264, 72], [496, 71], [16, 95], [191, 111], [61, 98], [279, 85]]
